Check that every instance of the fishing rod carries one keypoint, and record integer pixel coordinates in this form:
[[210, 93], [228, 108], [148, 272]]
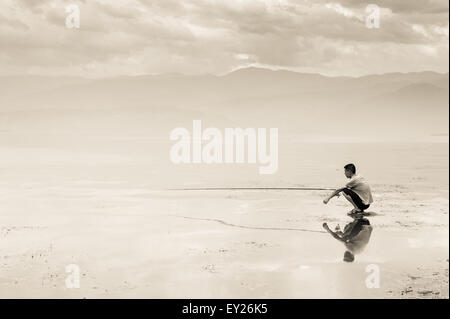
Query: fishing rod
[[252, 188]]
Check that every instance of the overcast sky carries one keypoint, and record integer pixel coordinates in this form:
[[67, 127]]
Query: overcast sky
[[129, 37]]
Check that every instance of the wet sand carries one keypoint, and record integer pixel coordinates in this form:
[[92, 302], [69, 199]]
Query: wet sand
[[138, 243], [74, 192]]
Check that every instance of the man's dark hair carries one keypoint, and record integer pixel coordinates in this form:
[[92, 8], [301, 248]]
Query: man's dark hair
[[351, 168], [349, 257]]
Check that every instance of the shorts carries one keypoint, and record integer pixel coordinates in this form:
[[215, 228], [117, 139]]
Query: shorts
[[356, 199]]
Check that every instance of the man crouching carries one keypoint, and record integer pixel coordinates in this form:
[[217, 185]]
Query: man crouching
[[356, 191]]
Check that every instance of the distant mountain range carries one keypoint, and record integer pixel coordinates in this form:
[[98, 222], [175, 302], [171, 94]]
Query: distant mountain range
[[298, 102]]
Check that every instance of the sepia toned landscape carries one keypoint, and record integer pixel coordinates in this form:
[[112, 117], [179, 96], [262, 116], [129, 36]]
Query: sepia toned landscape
[[90, 186], [86, 178]]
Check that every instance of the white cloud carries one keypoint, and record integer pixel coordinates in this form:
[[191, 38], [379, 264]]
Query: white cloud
[[206, 36], [340, 9]]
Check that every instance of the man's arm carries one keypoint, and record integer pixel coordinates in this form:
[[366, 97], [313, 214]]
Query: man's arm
[[335, 193], [335, 236]]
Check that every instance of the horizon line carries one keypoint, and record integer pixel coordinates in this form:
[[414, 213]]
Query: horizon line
[[222, 74]]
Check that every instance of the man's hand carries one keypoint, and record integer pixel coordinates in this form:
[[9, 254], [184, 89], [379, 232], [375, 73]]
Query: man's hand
[[335, 193], [335, 235]]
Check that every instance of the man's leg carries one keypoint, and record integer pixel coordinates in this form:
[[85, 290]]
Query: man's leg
[[349, 198], [354, 199]]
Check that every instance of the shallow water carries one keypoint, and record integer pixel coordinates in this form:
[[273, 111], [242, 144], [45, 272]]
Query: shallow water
[[99, 200]]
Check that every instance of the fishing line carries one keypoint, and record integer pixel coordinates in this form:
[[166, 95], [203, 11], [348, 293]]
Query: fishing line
[[251, 188], [250, 227]]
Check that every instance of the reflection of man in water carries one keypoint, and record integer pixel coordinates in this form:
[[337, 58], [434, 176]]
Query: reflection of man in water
[[355, 237], [356, 191]]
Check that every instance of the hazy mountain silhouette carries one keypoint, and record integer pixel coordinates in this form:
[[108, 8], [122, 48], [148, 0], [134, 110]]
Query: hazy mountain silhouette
[[298, 102]]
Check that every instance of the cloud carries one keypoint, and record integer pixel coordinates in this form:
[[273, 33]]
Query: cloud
[[215, 36], [404, 7]]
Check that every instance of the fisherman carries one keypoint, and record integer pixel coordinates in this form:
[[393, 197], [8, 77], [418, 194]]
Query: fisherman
[[355, 237], [356, 191]]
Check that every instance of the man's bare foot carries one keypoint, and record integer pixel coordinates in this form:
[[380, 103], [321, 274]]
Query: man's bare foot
[[325, 226], [354, 211], [357, 215]]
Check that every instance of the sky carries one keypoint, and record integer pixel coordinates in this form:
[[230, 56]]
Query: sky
[[133, 37]]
